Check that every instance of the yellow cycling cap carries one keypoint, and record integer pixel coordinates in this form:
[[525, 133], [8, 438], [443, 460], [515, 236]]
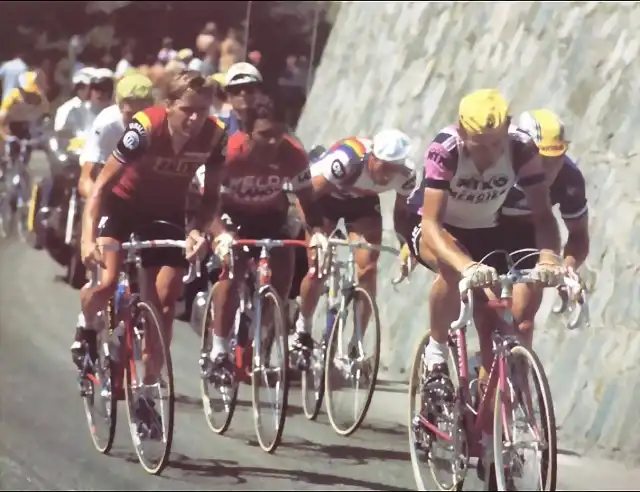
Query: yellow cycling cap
[[135, 86], [547, 130], [220, 78], [29, 82], [482, 110]]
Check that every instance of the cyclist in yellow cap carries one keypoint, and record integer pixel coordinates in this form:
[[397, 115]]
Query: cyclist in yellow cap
[[567, 190], [469, 168]]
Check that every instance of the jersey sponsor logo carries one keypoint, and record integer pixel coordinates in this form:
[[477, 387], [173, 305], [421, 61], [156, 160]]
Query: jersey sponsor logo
[[435, 156], [338, 170], [176, 167], [138, 127], [255, 188], [131, 140], [302, 180], [477, 189]]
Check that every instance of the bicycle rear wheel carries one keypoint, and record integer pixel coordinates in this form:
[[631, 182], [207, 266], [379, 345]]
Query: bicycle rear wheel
[[219, 397], [100, 402], [347, 367], [268, 374], [525, 376], [151, 430]]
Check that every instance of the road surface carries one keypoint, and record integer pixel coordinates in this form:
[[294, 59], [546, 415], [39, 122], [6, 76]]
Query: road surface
[[44, 442]]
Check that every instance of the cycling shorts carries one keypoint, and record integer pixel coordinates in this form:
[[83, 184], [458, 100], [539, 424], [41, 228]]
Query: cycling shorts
[[476, 242], [352, 210], [119, 221]]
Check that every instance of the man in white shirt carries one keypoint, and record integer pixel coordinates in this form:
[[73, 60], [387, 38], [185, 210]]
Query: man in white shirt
[[101, 89], [10, 72], [81, 81]]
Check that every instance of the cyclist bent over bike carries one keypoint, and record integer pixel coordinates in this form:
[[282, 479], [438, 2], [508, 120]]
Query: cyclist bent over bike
[[146, 180], [348, 179], [259, 162]]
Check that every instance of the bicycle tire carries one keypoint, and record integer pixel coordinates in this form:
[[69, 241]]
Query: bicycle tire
[[549, 462], [110, 365], [205, 346], [156, 469], [280, 329], [356, 291], [311, 411]]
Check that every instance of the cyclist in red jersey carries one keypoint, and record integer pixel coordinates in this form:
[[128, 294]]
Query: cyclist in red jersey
[[146, 180], [259, 162]]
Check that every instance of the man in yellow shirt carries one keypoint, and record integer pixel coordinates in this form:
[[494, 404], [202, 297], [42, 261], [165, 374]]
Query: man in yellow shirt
[[23, 107]]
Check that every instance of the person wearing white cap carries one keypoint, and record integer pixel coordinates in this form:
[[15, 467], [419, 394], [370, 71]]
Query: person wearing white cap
[[348, 179], [80, 80], [101, 87], [242, 82]]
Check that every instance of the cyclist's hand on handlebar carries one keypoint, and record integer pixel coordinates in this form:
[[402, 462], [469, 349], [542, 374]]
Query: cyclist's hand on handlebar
[[91, 254], [549, 274], [222, 245], [405, 266], [195, 245], [479, 275], [319, 244]]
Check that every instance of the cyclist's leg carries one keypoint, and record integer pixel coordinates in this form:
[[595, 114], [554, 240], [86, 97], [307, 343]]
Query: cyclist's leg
[[226, 300], [366, 224], [161, 285], [526, 297], [311, 287]]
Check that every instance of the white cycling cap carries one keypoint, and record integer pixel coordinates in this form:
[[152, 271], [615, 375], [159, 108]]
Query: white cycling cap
[[243, 73], [82, 76], [103, 73], [392, 146]]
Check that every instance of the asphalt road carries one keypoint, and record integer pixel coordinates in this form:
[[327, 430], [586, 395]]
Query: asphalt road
[[45, 445]]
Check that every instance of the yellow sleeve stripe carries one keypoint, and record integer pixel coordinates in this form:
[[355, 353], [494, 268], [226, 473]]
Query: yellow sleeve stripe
[[144, 120], [220, 123], [10, 100]]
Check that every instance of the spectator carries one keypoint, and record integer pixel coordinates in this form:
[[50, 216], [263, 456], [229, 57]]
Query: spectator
[[231, 50], [255, 57], [292, 88], [243, 81], [9, 73], [220, 107], [125, 62], [167, 53], [191, 62], [208, 44]]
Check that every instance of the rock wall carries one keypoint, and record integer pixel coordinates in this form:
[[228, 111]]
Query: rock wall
[[407, 64]]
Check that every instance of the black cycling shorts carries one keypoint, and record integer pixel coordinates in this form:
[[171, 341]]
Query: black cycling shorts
[[522, 234], [351, 210], [119, 220], [477, 242]]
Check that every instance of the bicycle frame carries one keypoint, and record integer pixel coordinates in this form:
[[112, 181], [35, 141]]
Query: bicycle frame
[[502, 342]]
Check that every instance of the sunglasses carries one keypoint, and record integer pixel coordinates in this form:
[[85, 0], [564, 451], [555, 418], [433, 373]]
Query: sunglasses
[[234, 90]]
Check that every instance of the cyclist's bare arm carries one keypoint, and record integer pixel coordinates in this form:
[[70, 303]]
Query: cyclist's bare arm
[[91, 214], [531, 179], [400, 214], [208, 215], [4, 127], [85, 181], [577, 247], [439, 241], [306, 203], [322, 186]]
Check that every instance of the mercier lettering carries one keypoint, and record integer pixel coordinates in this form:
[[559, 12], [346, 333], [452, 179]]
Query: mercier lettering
[[476, 189]]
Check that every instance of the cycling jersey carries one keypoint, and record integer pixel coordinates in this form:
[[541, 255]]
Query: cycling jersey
[[105, 134], [345, 166], [62, 114], [16, 110], [568, 191], [252, 183], [474, 198], [155, 180]]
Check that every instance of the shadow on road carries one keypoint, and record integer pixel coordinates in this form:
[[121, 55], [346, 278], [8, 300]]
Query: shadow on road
[[242, 474], [358, 455], [190, 401]]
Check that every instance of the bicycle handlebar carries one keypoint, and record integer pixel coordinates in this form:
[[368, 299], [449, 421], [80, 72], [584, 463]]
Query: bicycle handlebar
[[194, 268], [269, 243], [363, 245]]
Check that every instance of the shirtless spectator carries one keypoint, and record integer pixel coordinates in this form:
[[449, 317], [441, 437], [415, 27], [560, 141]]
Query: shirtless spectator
[[231, 50], [208, 44]]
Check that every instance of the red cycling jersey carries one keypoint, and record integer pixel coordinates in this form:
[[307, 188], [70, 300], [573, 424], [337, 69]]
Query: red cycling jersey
[[155, 179]]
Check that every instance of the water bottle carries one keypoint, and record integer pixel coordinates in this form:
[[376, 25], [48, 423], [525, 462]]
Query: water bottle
[[331, 317]]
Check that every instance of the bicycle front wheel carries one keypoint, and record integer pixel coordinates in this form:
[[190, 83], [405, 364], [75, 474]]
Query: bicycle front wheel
[[536, 455], [348, 367], [269, 375], [219, 392], [149, 389]]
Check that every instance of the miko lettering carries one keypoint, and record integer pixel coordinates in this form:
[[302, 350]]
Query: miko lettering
[[475, 189]]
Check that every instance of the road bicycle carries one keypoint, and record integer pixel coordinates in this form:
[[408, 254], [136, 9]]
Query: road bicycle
[[260, 333], [134, 338], [15, 187], [339, 362], [448, 415]]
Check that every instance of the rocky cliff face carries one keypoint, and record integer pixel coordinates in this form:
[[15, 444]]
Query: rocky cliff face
[[407, 64]]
